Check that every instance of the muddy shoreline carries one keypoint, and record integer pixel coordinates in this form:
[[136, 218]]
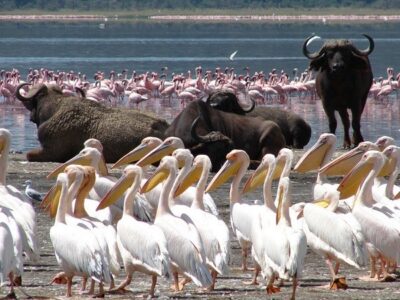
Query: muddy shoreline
[[36, 277]]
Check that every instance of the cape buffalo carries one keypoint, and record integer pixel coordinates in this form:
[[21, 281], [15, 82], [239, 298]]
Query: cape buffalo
[[256, 136], [296, 130], [64, 123], [344, 77]]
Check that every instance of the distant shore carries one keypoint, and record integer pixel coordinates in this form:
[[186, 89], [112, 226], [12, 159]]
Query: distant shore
[[51, 17], [322, 18]]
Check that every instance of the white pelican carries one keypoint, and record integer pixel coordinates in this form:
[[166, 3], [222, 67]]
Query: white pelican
[[384, 141], [77, 249], [92, 157], [337, 237], [286, 247], [213, 231], [20, 207], [8, 252], [381, 231], [81, 180], [315, 158], [341, 165], [146, 145], [242, 214], [144, 247], [388, 188], [169, 145], [184, 244], [102, 224], [267, 212]]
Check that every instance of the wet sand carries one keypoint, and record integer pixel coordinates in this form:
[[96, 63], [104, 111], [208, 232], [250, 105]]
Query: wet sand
[[36, 277]]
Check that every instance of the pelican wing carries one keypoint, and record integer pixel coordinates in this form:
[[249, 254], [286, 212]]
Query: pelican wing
[[185, 248], [77, 252], [327, 232], [145, 243]]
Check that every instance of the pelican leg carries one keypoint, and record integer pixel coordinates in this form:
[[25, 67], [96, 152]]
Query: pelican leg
[[112, 283], [101, 291], [294, 287], [83, 284], [59, 278], [337, 265], [183, 282], [386, 276], [175, 287], [69, 286], [373, 267], [153, 285], [336, 282], [17, 280], [254, 281], [91, 289], [244, 258], [214, 275], [123, 285], [11, 294], [271, 289]]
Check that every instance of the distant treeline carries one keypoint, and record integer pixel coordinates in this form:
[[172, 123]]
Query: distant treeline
[[55, 5]]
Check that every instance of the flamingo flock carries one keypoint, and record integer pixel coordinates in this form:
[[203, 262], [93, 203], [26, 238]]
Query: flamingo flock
[[143, 220], [129, 90]]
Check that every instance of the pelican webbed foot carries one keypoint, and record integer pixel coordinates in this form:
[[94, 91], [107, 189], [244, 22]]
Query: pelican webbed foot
[[339, 283]]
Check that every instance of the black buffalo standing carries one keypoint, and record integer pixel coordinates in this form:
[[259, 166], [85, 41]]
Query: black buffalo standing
[[343, 82]]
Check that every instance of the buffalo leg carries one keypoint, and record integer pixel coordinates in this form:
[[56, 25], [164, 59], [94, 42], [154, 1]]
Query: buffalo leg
[[344, 115], [355, 123], [332, 120]]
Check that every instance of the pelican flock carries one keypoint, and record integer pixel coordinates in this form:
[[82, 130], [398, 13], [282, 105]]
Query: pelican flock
[[163, 222]]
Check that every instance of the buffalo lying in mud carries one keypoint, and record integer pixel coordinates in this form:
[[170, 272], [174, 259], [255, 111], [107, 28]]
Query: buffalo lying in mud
[[64, 123], [296, 130], [344, 77], [216, 132]]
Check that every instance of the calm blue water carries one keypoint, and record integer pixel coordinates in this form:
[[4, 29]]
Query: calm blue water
[[147, 46]]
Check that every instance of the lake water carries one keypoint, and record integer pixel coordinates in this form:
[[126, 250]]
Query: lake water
[[181, 46]]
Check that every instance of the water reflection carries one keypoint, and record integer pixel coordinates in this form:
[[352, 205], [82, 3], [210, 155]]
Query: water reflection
[[379, 118]]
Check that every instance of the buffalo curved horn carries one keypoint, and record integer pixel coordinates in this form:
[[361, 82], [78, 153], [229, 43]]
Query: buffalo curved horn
[[194, 134], [253, 105], [367, 51], [307, 53], [18, 94]]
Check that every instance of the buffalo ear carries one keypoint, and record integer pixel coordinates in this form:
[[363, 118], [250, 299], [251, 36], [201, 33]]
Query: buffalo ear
[[359, 62], [318, 63]]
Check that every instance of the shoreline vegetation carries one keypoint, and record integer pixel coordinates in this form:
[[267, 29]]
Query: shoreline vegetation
[[261, 15]]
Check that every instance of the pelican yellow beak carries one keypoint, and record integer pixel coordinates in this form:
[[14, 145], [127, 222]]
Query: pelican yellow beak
[[51, 200], [134, 155], [313, 158], [280, 165], [118, 189], [192, 177], [324, 203], [351, 182], [156, 154], [256, 179], [388, 167], [229, 169], [158, 176], [342, 164], [79, 159]]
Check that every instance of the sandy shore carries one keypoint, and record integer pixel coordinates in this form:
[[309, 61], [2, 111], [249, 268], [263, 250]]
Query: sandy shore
[[36, 277]]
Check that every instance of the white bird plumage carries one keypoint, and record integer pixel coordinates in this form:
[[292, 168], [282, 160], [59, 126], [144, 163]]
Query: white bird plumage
[[184, 244], [143, 246]]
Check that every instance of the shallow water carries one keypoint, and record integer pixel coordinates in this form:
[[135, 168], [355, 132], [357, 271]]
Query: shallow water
[[181, 46]]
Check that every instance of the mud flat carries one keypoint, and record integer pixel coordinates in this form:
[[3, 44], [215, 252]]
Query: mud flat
[[36, 277]]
